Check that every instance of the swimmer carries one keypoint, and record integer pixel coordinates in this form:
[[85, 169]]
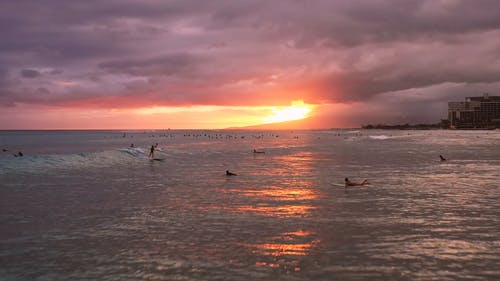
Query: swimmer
[[229, 173], [350, 183], [442, 158]]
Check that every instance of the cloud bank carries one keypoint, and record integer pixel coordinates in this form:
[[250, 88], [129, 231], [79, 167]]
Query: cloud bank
[[406, 58]]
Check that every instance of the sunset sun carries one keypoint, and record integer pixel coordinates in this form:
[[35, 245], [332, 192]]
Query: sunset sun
[[298, 110]]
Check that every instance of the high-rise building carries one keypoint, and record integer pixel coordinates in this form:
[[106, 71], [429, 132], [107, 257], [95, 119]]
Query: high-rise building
[[475, 112]]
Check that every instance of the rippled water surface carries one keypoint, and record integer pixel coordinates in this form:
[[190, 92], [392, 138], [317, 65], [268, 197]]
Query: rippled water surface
[[85, 206]]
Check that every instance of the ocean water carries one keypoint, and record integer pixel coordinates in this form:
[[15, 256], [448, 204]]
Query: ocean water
[[83, 205]]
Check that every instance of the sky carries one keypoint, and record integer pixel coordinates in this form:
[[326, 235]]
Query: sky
[[215, 64]]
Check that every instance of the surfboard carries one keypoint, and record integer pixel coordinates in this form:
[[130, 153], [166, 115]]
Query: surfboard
[[357, 186]]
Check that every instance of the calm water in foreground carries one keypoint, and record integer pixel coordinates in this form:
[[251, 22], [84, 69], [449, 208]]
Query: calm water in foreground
[[81, 205]]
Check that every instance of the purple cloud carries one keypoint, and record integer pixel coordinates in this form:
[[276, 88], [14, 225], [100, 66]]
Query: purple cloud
[[30, 73], [249, 52]]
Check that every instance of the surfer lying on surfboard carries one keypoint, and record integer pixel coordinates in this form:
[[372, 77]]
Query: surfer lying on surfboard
[[350, 183], [229, 173]]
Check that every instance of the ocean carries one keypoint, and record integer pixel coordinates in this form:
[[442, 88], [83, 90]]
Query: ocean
[[84, 205]]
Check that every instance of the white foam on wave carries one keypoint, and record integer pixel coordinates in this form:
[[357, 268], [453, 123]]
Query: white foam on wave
[[84, 159], [133, 151], [379, 137]]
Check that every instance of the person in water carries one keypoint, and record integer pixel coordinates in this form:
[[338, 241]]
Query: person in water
[[350, 183], [152, 152], [442, 158], [229, 173], [255, 151]]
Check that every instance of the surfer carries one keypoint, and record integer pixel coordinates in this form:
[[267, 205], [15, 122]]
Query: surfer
[[229, 173], [255, 151], [442, 158], [152, 152], [131, 145], [350, 183]]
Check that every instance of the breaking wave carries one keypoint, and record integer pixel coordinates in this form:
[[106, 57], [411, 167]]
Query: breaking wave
[[72, 161], [379, 137]]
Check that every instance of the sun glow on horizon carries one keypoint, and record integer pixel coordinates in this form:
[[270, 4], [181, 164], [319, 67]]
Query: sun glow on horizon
[[298, 110], [156, 117], [218, 116]]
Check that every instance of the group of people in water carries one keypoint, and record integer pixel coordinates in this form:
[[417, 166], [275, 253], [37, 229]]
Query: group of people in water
[[151, 155], [19, 154], [347, 182], [228, 173]]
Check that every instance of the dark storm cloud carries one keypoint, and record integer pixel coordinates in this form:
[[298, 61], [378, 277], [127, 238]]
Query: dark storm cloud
[[170, 64], [30, 73], [3, 76], [6, 97], [356, 22], [199, 52]]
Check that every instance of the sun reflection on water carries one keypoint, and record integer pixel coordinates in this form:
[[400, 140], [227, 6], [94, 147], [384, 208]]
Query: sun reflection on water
[[285, 194], [278, 193], [272, 201], [284, 251], [276, 249], [279, 211]]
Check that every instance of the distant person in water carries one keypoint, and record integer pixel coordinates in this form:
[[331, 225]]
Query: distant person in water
[[131, 145], [229, 173], [152, 152], [5, 150], [350, 183], [442, 158]]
